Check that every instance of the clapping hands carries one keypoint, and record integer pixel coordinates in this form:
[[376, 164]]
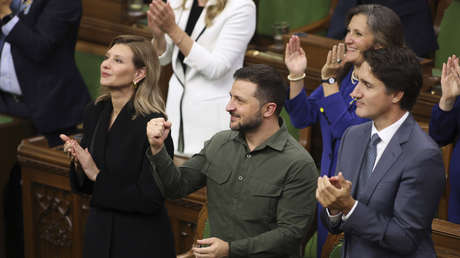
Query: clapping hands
[[81, 156], [161, 18]]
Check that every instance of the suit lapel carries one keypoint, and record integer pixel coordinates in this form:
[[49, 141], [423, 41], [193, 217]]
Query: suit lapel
[[389, 157], [360, 150]]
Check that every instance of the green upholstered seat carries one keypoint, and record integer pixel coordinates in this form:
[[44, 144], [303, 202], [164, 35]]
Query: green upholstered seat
[[89, 66], [5, 119], [296, 13]]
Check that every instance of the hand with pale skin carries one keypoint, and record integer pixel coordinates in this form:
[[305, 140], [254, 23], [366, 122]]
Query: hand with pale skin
[[161, 18], [296, 62], [450, 83], [295, 58], [82, 156], [334, 62], [335, 194], [5, 8], [216, 248], [157, 131]]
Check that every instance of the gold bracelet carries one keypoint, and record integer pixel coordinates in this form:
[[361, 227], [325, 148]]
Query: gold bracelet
[[296, 77]]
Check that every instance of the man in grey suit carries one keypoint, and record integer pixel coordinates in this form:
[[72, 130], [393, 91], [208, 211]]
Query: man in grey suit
[[390, 174]]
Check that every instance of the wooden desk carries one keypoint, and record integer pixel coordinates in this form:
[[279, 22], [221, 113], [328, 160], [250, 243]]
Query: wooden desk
[[446, 238], [12, 131], [54, 217]]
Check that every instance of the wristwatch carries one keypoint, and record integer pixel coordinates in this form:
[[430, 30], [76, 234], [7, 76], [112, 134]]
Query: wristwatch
[[6, 19], [330, 80]]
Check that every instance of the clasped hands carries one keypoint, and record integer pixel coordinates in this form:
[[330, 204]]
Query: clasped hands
[[216, 248], [334, 193], [80, 156], [161, 18]]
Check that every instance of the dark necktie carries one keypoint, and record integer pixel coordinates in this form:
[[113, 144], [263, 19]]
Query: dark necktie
[[372, 153]]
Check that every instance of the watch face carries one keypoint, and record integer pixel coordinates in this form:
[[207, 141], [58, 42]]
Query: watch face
[[331, 80]]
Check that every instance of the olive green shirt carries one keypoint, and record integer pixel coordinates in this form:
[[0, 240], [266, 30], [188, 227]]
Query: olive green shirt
[[262, 202]]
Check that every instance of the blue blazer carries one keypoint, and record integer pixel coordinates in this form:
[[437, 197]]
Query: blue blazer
[[395, 210], [43, 45], [415, 17], [444, 128]]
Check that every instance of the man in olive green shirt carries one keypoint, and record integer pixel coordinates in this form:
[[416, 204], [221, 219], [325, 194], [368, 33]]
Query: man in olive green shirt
[[260, 181]]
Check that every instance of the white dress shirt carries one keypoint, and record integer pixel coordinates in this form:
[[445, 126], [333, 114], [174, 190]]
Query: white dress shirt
[[8, 78], [385, 136]]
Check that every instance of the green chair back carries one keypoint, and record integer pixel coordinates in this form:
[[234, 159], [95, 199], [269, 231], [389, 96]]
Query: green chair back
[[449, 34], [296, 13], [89, 66], [311, 247], [287, 121], [5, 119]]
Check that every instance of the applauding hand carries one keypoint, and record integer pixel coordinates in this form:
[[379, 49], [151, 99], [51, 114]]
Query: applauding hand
[[295, 58], [82, 156], [450, 83], [334, 62]]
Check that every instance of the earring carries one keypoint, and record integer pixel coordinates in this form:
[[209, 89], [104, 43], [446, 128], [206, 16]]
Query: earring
[[134, 85]]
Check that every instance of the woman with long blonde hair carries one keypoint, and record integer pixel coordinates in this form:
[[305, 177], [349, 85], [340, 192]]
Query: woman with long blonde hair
[[127, 217], [205, 40]]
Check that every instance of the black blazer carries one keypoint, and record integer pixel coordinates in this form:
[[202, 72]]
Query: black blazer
[[415, 17], [127, 216], [43, 45]]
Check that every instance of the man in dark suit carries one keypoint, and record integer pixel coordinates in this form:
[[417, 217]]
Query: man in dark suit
[[415, 16], [390, 172], [38, 76]]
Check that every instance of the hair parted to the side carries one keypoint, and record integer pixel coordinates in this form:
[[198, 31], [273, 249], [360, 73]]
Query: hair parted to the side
[[399, 69], [211, 11], [383, 22], [385, 25], [271, 87], [147, 96]]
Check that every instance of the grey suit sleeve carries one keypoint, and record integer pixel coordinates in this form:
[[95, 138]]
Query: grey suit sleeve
[[335, 228], [417, 194]]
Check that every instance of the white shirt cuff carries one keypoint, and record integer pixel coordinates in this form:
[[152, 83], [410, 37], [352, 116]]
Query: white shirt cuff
[[345, 217]]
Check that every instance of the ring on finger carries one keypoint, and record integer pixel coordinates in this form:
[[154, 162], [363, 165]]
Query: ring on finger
[[339, 60]]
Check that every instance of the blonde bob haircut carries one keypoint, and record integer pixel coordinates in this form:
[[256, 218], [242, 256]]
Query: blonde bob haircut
[[211, 11], [147, 96]]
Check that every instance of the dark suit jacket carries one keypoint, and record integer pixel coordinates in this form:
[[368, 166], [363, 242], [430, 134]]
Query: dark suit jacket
[[396, 208], [42, 45], [127, 216], [415, 17]]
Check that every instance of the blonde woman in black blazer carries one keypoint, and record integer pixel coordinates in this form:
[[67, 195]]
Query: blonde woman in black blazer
[[127, 216]]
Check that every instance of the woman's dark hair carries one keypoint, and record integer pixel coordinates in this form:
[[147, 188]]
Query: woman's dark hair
[[384, 24]]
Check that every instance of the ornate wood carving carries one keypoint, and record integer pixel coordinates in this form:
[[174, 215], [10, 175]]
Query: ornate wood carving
[[54, 215]]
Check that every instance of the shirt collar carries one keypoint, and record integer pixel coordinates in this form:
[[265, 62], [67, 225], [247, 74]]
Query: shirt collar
[[387, 133], [277, 141]]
